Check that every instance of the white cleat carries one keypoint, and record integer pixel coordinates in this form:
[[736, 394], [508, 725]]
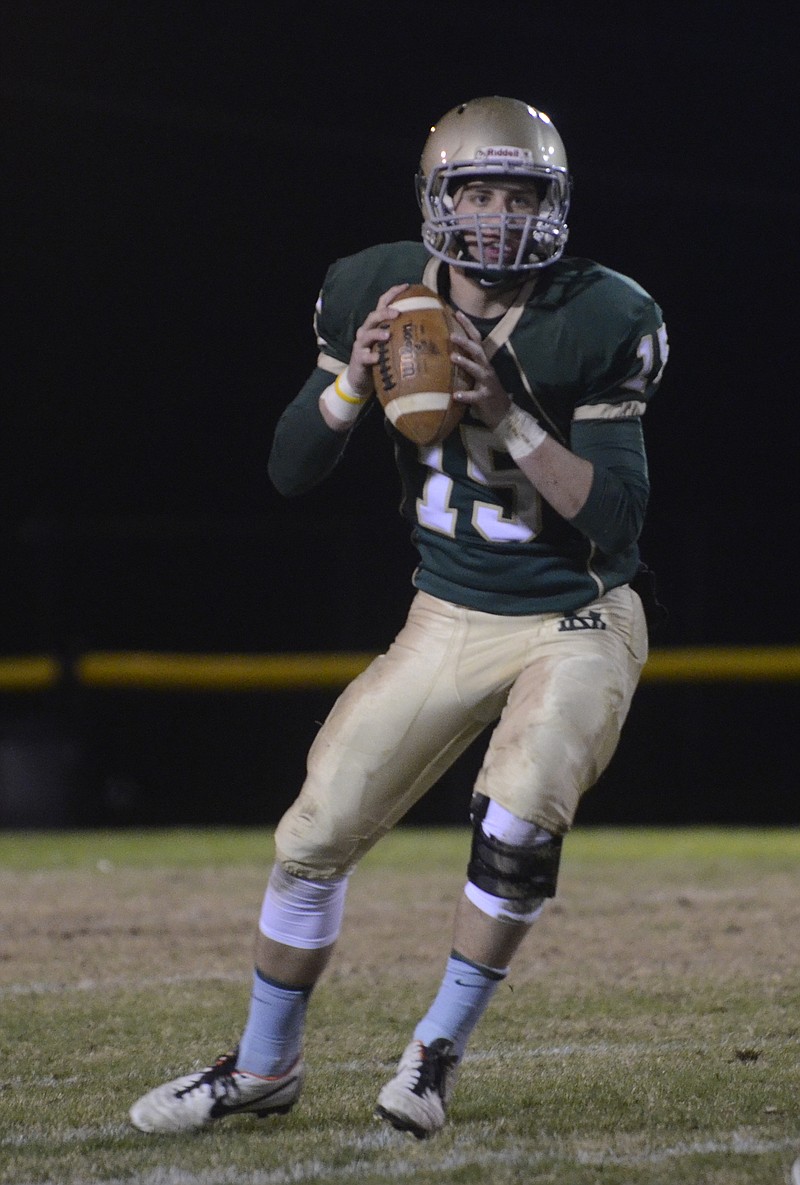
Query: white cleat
[[197, 1099], [415, 1099]]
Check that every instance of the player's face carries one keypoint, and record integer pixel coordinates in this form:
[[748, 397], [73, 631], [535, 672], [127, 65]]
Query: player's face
[[488, 201]]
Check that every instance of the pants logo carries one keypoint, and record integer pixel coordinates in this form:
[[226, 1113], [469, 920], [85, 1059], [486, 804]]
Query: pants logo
[[582, 621]]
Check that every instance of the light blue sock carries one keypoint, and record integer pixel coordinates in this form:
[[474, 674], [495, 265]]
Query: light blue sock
[[273, 1037], [463, 997]]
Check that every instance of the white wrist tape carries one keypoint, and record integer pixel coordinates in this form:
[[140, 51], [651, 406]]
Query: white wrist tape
[[520, 433], [342, 400]]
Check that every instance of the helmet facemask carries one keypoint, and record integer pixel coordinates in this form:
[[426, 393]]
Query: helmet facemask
[[494, 247]]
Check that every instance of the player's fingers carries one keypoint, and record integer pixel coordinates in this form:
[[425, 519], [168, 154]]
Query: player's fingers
[[467, 326], [473, 349], [386, 298], [382, 313], [478, 367], [379, 319], [471, 365], [373, 330]]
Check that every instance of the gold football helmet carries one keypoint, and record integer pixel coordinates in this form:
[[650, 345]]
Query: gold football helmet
[[488, 138]]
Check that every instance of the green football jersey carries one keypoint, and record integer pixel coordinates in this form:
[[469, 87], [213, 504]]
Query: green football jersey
[[583, 350]]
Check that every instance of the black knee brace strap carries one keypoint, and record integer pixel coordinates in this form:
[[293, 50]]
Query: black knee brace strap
[[511, 872]]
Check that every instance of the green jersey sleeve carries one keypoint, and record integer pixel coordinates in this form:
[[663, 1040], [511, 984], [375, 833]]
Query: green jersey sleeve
[[304, 449], [613, 514]]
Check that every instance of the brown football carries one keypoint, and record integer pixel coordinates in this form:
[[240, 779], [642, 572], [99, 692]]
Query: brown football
[[414, 377]]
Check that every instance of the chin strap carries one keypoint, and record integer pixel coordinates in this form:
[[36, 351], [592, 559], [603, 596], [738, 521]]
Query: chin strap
[[494, 279], [505, 280]]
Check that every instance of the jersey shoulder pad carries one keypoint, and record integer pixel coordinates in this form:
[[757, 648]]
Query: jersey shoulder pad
[[592, 290], [619, 331], [352, 286]]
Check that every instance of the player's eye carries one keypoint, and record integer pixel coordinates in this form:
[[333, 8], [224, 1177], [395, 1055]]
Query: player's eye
[[478, 197]]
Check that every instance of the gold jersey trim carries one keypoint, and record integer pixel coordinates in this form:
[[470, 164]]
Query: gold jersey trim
[[630, 409]]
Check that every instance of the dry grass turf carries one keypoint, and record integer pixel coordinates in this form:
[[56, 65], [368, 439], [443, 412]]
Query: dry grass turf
[[649, 1033]]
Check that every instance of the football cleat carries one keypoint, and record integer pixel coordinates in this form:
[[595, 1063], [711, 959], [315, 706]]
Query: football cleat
[[415, 1099], [196, 1099]]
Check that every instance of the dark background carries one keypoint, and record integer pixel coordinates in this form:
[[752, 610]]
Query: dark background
[[177, 179]]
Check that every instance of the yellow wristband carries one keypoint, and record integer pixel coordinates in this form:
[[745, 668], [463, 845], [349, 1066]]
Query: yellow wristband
[[342, 402], [346, 392]]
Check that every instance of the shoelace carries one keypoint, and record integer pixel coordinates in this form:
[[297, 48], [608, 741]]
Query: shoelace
[[219, 1075], [431, 1070]]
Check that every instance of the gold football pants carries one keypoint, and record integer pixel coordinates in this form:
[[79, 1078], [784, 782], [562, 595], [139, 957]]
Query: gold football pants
[[561, 685]]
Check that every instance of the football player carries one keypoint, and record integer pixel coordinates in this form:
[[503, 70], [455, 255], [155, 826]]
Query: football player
[[526, 520]]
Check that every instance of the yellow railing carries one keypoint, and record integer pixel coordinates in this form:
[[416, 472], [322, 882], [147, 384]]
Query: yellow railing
[[309, 671], [29, 673]]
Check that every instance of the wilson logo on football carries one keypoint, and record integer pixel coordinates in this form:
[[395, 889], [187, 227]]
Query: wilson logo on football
[[415, 377]]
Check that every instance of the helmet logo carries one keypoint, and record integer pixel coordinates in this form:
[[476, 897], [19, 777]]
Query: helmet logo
[[504, 152]]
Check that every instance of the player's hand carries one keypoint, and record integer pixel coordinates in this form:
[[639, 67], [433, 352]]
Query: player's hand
[[365, 347], [488, 398]]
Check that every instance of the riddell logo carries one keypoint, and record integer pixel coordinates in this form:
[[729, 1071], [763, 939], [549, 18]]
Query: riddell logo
[[503, 152]]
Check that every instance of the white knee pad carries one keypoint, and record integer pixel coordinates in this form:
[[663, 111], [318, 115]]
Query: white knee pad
[[302, 913]]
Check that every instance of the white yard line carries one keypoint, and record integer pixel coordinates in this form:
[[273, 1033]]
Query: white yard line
[[519, 1053], [470, 1152], [367, 1065], [70, 1135], [95, 985]]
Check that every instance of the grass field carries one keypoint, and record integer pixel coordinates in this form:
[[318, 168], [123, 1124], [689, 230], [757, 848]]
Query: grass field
[[649, 1033]]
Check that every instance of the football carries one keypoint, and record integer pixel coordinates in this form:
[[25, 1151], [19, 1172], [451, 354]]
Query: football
[[415, 377]]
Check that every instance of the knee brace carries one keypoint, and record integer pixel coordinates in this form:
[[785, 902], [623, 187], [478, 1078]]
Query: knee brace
[[513, 864]]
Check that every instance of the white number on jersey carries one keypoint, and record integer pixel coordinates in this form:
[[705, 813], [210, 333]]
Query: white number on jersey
[[646, 352], [489, 519]]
